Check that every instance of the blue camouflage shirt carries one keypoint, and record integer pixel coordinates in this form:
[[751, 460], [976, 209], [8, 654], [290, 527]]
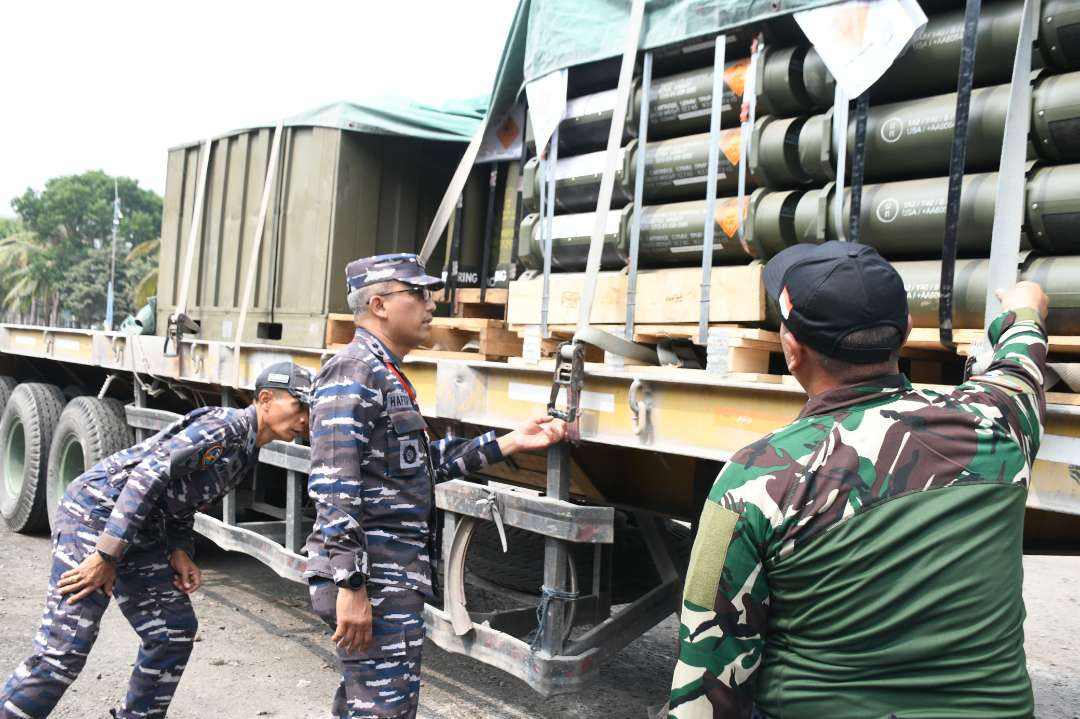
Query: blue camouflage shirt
[[373, 470], [149, 493]]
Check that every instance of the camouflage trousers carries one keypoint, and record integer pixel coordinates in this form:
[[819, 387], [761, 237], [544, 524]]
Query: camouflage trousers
[[159, 613], [382, 682]]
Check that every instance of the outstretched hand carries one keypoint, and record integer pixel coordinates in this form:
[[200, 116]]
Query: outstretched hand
[[1024, 294], [538, 433]]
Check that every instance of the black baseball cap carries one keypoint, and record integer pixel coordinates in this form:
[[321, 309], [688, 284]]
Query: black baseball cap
[[288, 376], [825, 292]]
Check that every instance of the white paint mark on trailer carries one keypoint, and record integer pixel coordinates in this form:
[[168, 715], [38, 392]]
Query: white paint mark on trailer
[[539, 394]]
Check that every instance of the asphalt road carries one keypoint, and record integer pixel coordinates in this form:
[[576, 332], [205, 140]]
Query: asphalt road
[[261, 653]]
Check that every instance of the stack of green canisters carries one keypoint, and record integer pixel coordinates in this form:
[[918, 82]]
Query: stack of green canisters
[[791, 163]]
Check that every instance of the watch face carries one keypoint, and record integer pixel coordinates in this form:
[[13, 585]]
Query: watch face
[[356, 580]]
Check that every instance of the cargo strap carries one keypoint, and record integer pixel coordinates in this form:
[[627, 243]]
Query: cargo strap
[[956, 172], [839, 141], [639, 194], [858, 166], [710, 187], [453, 253], [584, 332], [179, 323], [547, 237], [489, 230], [253, 263], [1009, 202], [748, 118], [518, 200], [196, 225]]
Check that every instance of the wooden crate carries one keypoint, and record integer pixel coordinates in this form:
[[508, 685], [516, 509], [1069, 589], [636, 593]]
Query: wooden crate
[[467, 303], [668, 296], [450, 335]]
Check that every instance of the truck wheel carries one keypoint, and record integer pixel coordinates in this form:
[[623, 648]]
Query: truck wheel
[[26, 431], [522, 567], [89, 430], [7, 386]]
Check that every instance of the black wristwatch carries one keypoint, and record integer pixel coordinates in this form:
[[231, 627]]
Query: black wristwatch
[[107, 557], [355, 580]]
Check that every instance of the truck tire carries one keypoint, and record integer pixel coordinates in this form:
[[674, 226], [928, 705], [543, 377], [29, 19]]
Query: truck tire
[[7, 386], [26, 431], [522, 567], [89, 430]]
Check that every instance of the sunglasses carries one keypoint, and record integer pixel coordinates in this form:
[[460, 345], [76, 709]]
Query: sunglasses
[[420, 293]]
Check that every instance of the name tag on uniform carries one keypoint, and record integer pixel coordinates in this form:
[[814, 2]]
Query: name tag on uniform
[[398, 400]]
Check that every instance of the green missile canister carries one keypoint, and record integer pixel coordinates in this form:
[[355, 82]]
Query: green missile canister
[[678, 105], [671, 235], [1058, 276], [1059, 34], [907, 219], [930, 66], [571, 236], [577, 180], [913, 138], [675, 169]]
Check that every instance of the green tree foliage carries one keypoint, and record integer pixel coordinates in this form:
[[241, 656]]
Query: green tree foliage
[[57, 264]]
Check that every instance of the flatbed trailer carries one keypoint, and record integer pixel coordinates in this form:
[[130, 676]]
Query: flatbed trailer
[[687, 418]]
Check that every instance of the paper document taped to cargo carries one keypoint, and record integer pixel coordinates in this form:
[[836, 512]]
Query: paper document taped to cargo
[[858, 40]]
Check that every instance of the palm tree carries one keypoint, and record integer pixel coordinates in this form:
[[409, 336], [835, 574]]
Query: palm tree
[[21, 255], [146, 287]]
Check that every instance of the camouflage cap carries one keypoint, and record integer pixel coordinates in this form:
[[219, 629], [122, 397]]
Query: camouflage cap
[[402, 266], [288, 376]]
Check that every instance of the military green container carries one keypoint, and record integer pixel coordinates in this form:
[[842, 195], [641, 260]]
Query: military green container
[[678, 105], [1058, 276], [913, 138], [339, 195], [907, 219], [672, 234], [675, 169]]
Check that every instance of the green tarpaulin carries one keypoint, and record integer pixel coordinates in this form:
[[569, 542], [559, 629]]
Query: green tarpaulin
[[549, 35], [453, 121]]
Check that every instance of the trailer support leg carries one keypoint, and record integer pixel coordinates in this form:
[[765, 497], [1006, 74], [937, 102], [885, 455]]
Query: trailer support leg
[[552, 629]]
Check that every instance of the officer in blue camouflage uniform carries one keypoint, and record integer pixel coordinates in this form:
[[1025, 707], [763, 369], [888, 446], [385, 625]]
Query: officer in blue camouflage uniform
[[124, 529], [372, 478]]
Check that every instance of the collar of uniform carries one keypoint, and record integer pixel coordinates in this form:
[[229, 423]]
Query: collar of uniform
[[253, 428], [376, 346], [854, 394]]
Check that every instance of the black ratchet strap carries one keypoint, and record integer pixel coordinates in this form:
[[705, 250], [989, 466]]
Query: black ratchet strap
[[956, 172]]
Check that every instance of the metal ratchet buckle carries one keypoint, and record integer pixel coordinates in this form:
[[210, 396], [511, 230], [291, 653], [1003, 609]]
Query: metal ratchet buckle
[[569, 373]]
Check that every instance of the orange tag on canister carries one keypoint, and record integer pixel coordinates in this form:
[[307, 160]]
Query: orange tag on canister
[[731, 145], [727, 214], [735, 76]]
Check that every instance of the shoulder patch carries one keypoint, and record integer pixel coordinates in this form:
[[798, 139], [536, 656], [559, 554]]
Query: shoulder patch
[[398, 399], [211, 454], [709, 553]]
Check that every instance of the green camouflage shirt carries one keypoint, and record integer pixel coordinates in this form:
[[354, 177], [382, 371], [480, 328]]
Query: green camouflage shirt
[[865, 560]]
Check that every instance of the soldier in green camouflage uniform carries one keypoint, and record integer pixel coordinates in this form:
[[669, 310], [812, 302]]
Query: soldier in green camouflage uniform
[[865, 560]]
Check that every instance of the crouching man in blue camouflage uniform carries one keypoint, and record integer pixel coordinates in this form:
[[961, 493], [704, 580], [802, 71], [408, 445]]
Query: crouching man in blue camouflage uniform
[[124, 529], [372, 478]]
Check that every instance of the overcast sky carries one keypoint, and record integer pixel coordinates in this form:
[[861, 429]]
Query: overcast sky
[[112, 85]]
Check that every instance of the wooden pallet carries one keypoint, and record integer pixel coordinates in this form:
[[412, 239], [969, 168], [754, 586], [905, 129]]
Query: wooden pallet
[[749, 348], [340, 329], [927, 338], [470, 338]]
